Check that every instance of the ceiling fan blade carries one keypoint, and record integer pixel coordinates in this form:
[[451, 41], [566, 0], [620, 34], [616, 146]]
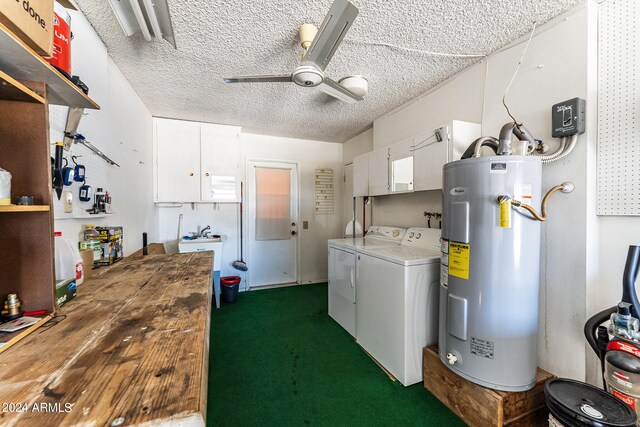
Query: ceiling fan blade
[[331, 32], [335, 89], [259, 79]]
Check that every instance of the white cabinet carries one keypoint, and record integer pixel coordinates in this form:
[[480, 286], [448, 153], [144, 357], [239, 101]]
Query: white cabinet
[[371, 173], [177, 147], [401, 166], [219, 163], [361, 175], [379, 172], [414, 164], [431, 152], [196, 162]]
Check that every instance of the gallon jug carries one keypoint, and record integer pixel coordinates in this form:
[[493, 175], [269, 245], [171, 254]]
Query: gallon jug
[[68, 261]]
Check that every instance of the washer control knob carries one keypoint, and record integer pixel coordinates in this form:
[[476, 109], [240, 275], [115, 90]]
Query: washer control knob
[[411, 234], [418, 235]]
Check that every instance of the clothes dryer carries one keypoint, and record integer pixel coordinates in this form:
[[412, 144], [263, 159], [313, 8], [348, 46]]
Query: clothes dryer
[[397, 310]]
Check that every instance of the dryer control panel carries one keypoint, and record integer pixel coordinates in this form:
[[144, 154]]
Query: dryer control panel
[[425, 238]]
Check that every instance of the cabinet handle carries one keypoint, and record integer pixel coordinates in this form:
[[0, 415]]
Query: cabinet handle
[[206, 174], [190, 173]]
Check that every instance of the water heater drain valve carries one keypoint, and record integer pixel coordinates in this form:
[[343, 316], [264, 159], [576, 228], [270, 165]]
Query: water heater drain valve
[[452, 358]]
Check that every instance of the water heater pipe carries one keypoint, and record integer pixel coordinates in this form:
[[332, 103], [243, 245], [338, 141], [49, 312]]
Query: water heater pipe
[[557, 156], [474, 149], [566, 187]]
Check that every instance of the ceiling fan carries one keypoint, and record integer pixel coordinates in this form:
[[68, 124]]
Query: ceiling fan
[[318, 54]]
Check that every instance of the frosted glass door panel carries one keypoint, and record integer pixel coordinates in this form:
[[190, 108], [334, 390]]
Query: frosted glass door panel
[[273, 204]]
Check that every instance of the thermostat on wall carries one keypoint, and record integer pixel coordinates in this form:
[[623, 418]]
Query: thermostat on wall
[[567, 118]]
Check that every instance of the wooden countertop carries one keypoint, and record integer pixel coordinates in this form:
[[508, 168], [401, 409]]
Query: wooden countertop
[[133, 348]]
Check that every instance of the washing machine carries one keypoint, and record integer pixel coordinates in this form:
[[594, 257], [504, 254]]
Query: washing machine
[[397, 310], [342, 271]]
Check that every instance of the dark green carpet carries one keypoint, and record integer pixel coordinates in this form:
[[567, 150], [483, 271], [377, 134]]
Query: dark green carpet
[[278, 359]]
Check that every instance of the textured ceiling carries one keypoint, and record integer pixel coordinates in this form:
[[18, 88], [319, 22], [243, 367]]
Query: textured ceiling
[[226, 37]]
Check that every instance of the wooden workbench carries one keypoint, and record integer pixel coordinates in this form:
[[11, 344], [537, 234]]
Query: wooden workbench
[[132, 349]]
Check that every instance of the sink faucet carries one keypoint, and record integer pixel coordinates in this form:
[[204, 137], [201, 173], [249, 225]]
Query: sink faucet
[[204, 232]]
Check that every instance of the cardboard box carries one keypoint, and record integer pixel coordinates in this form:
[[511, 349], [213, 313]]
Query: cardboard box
[[65, 291], [111, 242], [31, 21]]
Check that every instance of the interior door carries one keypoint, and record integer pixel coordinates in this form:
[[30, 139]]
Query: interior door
[[272, 217]]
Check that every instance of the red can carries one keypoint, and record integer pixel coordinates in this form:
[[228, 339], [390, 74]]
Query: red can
[[61, 58]]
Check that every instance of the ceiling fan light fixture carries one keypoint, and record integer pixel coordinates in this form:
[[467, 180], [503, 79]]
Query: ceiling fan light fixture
[[307, 34], [151, 18], [359, 85]]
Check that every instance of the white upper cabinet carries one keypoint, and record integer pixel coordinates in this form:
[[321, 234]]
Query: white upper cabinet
[[401, 166], [379, 172], [196, 162], [361, 175], [219, 163], [177, 167], [434, 148]]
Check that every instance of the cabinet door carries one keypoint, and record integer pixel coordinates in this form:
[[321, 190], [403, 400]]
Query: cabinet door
[[361, 175], [428, 158], [220, 163], [177, 161], [401, 167], [379, 172]]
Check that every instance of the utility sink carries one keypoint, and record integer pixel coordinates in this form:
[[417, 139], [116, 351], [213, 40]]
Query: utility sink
[[203, 244]]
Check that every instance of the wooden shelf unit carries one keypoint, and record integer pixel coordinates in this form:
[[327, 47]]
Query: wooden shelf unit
[[13, 90], [20, 62], [21, 208], [26, 240]]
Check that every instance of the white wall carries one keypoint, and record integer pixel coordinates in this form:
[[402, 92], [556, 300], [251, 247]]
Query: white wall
[[459, 98], [122, 129], [224, 219], [359, 144], [547, 76]]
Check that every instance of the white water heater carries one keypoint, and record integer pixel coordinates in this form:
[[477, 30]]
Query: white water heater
[[490, 271]]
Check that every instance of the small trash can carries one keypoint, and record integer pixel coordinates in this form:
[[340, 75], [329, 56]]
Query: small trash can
[[230, 286]]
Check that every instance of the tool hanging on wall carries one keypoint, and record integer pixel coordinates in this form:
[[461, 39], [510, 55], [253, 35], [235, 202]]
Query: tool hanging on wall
[[85, 192], [79, 170], [67, 173], [78, 138], [58, 181]]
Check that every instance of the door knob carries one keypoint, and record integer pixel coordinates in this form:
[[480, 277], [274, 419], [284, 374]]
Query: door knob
[[293, 224], [293, 233]]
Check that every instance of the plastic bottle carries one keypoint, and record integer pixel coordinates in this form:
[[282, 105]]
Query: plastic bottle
[[91, 240], [622, 324], [68, 261], [5, 187]]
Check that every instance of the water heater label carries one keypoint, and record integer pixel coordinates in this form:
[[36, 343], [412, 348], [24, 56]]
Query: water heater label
[[459, 260], [482, 348], [498, 167]]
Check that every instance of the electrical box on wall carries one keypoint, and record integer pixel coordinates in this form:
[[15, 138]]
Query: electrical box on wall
[[567, 118]]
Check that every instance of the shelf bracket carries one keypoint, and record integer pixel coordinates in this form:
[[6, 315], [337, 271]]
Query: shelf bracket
[[71, 129]]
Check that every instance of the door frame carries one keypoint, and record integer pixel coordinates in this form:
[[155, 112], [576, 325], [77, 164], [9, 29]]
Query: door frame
[[250, 162]]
